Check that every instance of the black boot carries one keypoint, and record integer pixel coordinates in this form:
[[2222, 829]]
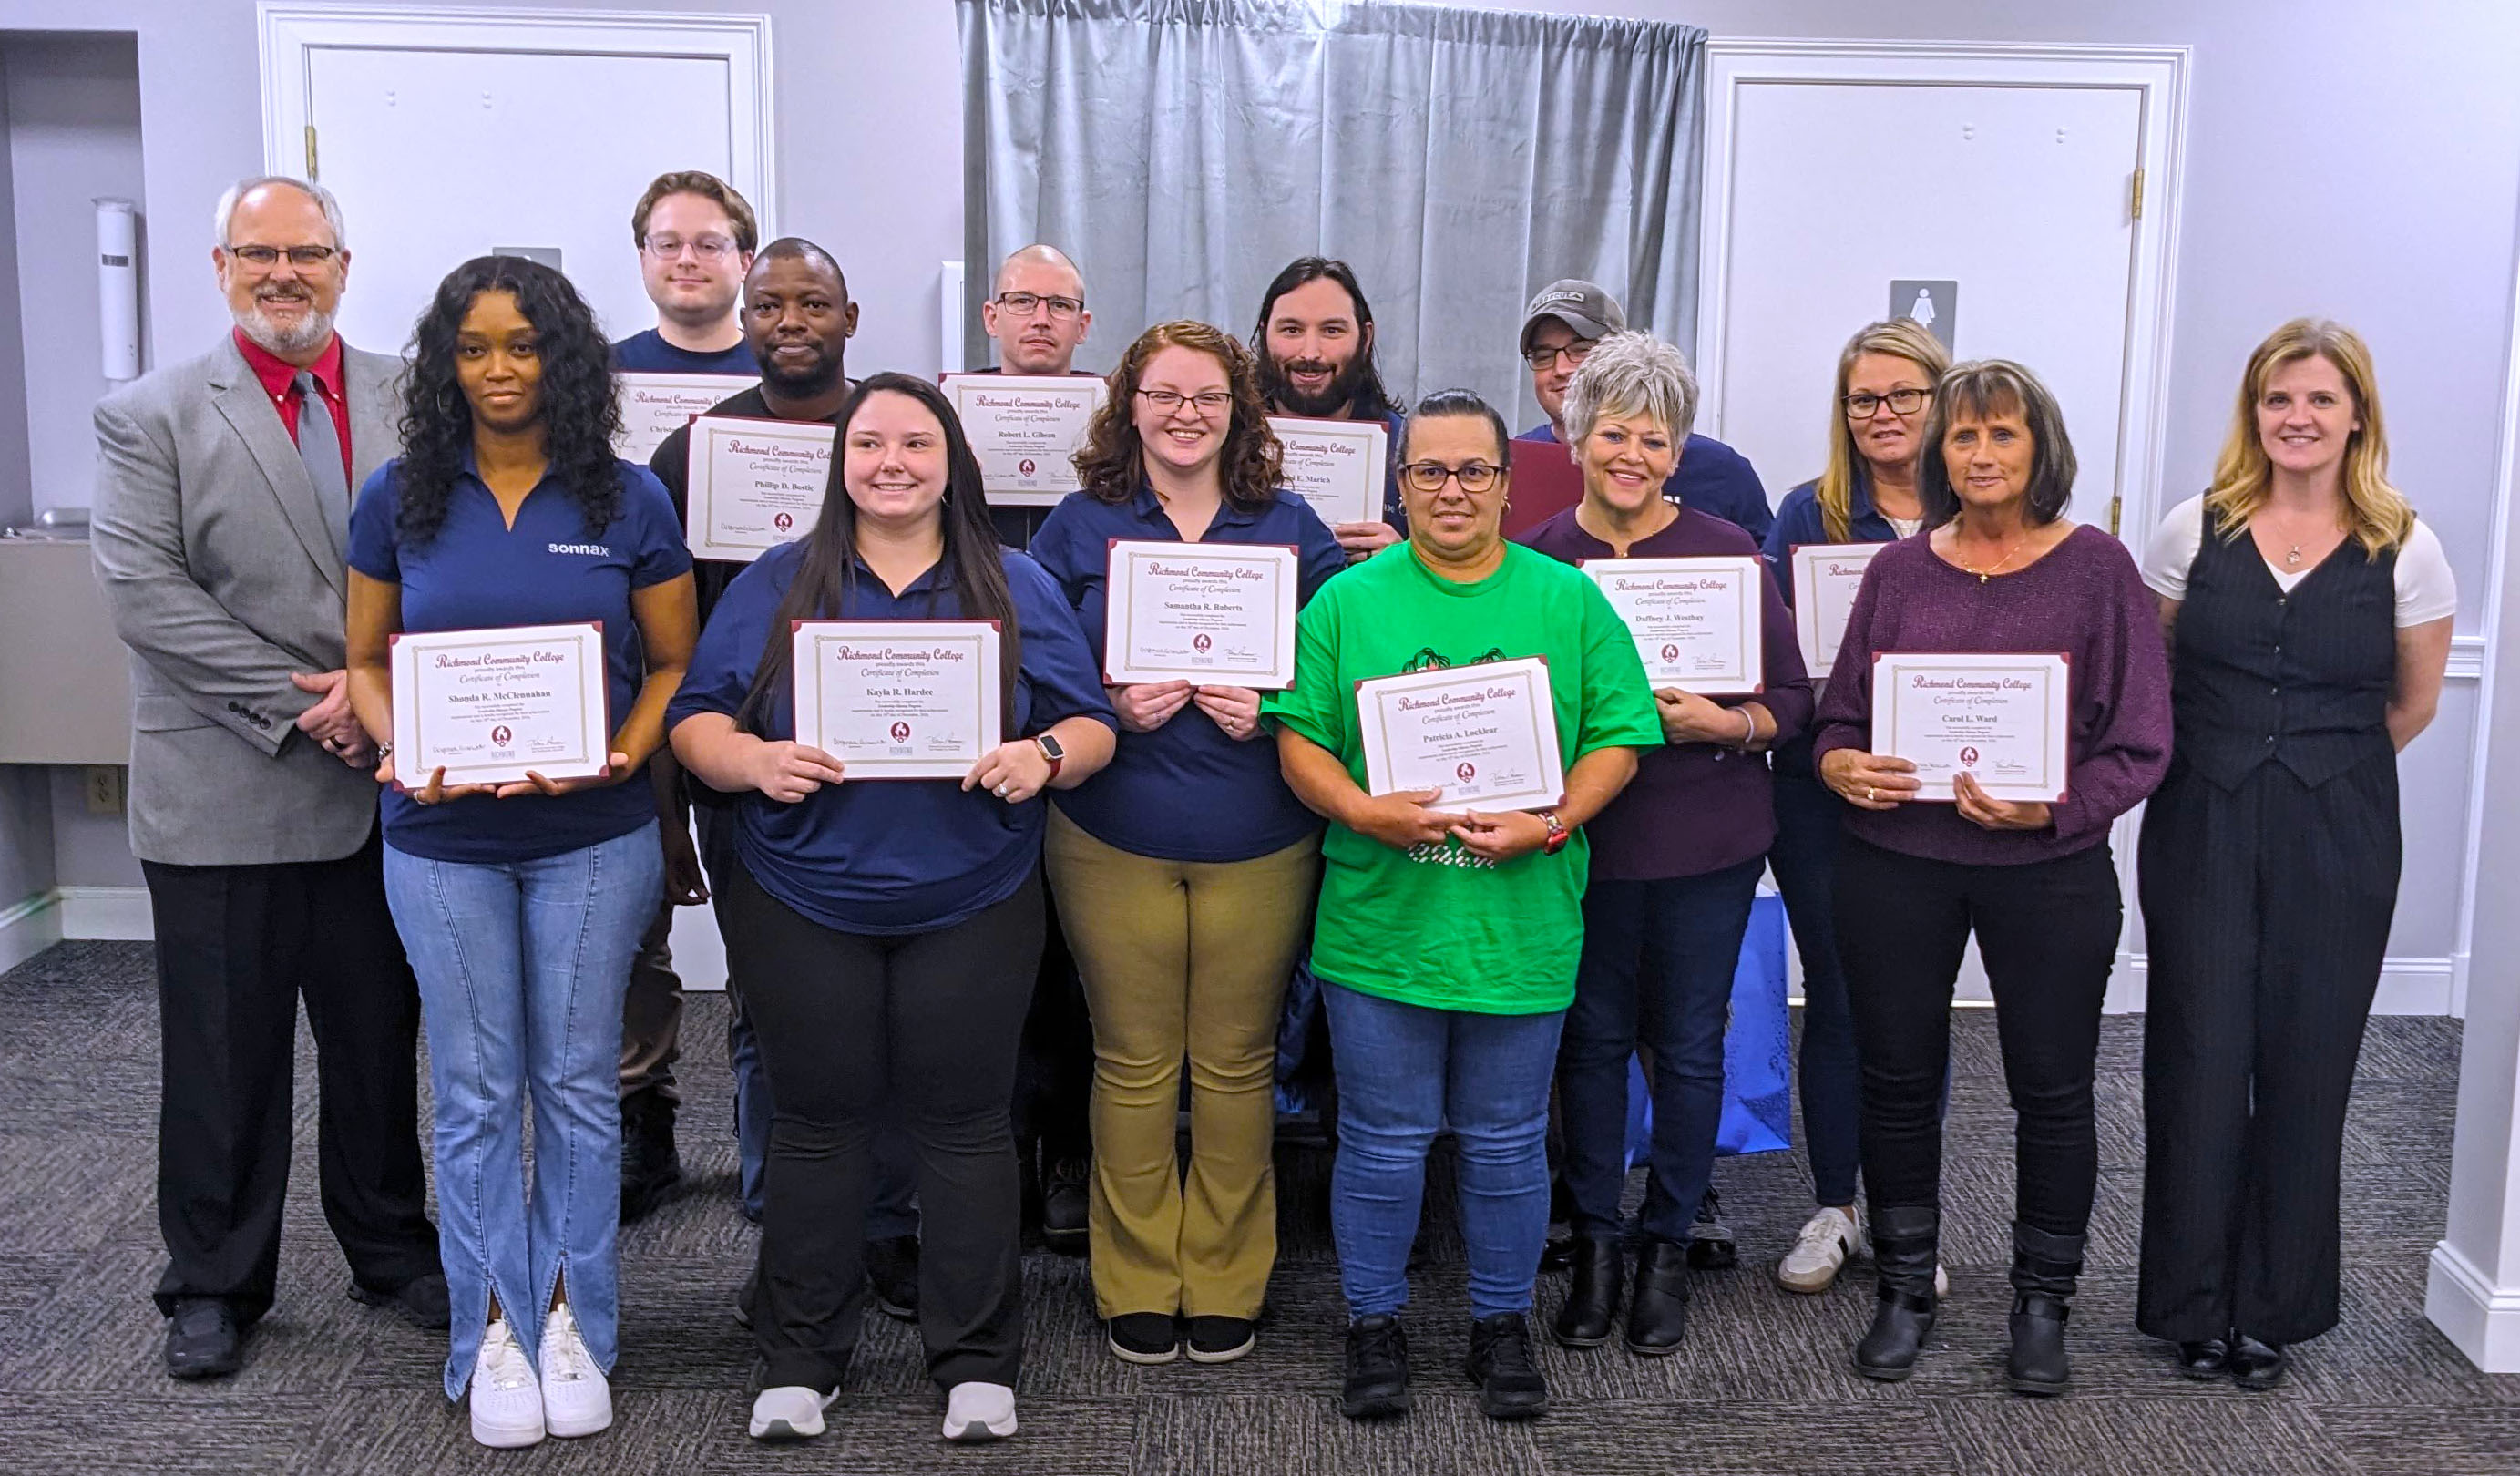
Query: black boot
[[1711, 1246], [2044, 1269], [1065, 1201], [1376, 1385], [1501, 1364], [1905, 1241], [1658, 1304], [651, 1169], [1593, 1301]]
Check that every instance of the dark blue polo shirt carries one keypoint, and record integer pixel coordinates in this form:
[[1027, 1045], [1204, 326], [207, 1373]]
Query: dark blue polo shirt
[[648, 353], [1185, 791], [549, 569], [1711, 477], [1798, 522], [891, 856]]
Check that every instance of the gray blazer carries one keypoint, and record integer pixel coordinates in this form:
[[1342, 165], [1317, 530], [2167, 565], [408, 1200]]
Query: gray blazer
[[223, 579]]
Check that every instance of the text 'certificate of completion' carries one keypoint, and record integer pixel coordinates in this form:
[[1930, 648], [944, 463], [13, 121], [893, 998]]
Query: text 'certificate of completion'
[[1486, 735], [1218, 614], [654, 406], [1695, 620], [899, 699], [2005, 720], [488, 705], [1826, 576], [1026, 429], [754, 484], [1339, 467]]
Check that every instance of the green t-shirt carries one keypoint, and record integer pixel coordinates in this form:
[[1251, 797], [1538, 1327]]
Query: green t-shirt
[[1436, 926]]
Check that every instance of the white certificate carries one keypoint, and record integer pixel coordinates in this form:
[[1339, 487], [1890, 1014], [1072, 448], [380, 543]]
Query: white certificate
[[1695, 620], [488, 705], [1026, 429], [1341, 466], [899, 699], [2003, 719], [1218, 614], [1484, 735], [1826, 576], [754, 484], [654, 406]]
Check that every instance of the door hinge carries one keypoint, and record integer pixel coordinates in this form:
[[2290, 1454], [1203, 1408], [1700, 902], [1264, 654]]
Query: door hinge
[[2135, 204], [2117, 505], [310, 153]]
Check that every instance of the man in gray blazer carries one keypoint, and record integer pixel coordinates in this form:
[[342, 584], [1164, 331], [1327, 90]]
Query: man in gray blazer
[[222, 508]]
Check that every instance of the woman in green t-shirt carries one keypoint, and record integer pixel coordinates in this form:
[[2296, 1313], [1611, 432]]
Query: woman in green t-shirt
[[1447, 937]]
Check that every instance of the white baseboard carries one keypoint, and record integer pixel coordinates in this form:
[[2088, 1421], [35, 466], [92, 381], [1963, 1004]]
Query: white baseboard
[[29, 928], [2411, 984], [2480, 1319], [116, 913]]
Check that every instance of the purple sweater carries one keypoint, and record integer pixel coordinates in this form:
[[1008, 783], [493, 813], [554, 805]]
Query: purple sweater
[[2084, 599], [1693, 808]]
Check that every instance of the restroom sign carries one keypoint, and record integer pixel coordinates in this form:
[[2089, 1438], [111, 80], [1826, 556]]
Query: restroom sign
[[1935, 305]]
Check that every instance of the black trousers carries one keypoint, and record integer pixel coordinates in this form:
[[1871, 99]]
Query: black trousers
[[2047, 932], [2265, 914], [856, 1031], [237, 947], [1054, 1074]]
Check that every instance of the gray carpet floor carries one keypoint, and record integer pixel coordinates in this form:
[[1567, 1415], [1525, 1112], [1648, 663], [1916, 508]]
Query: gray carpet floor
[[1760, 1387]]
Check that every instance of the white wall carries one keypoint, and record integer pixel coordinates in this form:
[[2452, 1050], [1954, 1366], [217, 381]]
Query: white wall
[[17, 503]]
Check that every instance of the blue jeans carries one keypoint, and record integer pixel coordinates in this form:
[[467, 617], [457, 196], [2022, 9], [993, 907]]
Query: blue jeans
[[1404, 1073], [522, 968], [1657, 970], [1809, 818]]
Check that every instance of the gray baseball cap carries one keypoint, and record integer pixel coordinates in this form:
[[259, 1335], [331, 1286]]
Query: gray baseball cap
[[1580, 305]]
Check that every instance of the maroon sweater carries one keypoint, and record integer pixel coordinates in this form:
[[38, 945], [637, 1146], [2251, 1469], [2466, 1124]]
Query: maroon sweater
[[2084, 600]]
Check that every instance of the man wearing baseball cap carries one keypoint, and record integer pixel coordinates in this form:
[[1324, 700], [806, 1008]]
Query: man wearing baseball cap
[[1559, 329]]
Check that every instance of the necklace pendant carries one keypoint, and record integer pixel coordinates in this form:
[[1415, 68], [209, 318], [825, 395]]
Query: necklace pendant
[[1981, 578]]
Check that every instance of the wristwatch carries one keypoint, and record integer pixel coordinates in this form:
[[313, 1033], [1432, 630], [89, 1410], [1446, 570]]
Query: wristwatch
[[1050, 750], [1558, 834]]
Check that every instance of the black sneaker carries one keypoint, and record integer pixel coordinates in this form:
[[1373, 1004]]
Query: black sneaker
[[1378, 1368], [1063, 1206], [1501, 1364], [892, 1273], [1145, 1337], [1220, 1340], [1710, 1240], [651, 1170]]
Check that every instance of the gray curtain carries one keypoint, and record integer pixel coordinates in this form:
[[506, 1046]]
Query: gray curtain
[[1183, 151]]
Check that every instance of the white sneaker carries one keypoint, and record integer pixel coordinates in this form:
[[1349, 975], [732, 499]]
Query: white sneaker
[[790, 1412], [506, 1403], [1828, 1240], [1942, 1281], [576, 1398], [979, 1411]]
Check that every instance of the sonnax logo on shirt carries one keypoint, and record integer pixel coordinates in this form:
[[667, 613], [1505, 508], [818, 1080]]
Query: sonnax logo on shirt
[[589, 550]]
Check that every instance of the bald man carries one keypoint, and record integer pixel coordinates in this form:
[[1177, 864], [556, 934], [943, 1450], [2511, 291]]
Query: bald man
[[1037, 312]]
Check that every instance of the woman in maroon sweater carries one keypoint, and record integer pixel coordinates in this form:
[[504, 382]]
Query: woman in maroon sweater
[[2002, 570]]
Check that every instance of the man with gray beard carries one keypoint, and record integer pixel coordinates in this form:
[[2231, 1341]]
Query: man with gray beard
[[222, 507]]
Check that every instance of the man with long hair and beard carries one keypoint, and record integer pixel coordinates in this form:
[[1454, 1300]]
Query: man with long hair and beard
[[1314, 343]]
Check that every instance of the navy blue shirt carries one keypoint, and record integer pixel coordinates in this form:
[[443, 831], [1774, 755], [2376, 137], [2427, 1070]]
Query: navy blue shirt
[[890, 856], [1798, 522], [1711, 477], [549, 569], [648, 353], [1185, 791]]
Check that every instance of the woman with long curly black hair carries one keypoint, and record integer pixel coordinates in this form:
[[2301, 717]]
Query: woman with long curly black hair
[[521, 903]]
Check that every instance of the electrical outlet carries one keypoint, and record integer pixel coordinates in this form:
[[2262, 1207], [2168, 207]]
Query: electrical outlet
[[104, 789]]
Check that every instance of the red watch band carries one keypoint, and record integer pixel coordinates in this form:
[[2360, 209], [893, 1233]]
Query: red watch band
[[1558, 834], [1055, 759]]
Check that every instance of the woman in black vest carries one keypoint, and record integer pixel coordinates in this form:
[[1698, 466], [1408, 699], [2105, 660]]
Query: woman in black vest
[[2308, 619]]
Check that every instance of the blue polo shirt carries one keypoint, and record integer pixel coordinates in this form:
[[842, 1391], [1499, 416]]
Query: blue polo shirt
[[889, 856], [1798, 522], [1711, 477], [1185, 791], [648, 353], [549, 569]]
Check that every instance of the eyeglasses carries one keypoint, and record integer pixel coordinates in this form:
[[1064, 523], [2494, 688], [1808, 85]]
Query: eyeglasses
[[300, 256], [705, 247], [1021, 304], [1860, 407], [1541, 360], [1430, 476], [1206, 402]]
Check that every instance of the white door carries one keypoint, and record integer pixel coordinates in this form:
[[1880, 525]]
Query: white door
[[2020, 194]]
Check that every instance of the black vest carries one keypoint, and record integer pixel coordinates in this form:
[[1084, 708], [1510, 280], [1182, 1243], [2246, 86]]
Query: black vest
[[2301, 679]]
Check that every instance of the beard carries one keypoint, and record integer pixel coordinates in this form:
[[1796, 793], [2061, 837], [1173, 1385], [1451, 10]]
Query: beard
[[800, 382], [1335, 398], [308, 333]]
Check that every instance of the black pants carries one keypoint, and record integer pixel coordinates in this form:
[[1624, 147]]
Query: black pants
[[2267, 914], [1054, 1074], [2048, 934], [856, 1030], [238, 946]]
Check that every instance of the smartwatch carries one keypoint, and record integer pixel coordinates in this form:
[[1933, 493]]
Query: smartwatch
[[1558, 834], [1050, 750]]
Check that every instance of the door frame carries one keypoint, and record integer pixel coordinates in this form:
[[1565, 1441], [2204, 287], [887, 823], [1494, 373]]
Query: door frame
[[291, 32]]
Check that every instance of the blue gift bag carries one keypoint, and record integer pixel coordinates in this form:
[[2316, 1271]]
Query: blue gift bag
[[1758, 1049]]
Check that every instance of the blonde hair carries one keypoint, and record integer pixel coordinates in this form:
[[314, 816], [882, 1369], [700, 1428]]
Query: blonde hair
[[1900, 338], [2376, 513]]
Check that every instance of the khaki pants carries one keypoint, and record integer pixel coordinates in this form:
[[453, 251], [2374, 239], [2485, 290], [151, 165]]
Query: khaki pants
[[1183, 959]]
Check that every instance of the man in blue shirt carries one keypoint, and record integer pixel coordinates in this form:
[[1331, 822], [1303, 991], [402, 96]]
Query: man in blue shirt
[[1559, 329], [696, 238], [1314, 343]]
